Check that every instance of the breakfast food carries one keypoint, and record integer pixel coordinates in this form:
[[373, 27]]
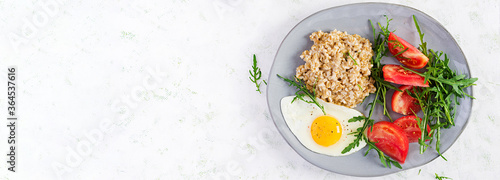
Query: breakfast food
[[405, 53], [326, 134], [337, 75], [338, 67], [409, 124], [390, 139], [398, 75], [403, 103]]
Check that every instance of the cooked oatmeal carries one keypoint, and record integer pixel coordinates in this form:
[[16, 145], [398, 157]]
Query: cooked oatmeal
[[338, 65]]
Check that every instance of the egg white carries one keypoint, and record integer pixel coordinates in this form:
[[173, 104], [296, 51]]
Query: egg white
[[299, 116]]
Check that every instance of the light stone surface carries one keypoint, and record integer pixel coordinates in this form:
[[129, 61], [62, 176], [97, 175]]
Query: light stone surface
[[160, 90]]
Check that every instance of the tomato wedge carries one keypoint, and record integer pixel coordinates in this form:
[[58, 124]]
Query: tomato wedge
[[396, 74], [403, 103], [406, 53], [410, 126], [390, 139]]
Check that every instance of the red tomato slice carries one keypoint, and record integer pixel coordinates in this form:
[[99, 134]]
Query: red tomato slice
[[403, 103], [390, 139], [396, 74], [411, 58], [409, 124]]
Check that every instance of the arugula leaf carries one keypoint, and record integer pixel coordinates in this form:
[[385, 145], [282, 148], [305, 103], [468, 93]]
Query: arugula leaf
[[441, 177], [423, 45], [302, 91], [358, 133], [355, 63], [384, 29], [360, 87], [255, 74]]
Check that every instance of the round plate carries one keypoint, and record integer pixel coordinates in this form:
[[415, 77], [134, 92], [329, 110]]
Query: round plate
[[354, 19]]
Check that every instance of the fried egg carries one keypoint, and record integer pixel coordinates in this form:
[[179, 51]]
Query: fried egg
[[325, 134]]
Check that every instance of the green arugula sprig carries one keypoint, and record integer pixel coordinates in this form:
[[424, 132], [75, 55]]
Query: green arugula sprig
[[367, 122], [441, 177], [255, 75], [302, 91], [380, 49], [355, 63], [439, 101]]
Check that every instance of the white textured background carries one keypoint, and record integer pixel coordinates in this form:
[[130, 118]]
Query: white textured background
[[160, 89]]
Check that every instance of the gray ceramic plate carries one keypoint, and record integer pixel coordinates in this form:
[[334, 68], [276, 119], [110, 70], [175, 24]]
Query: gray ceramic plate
[[353, 18]]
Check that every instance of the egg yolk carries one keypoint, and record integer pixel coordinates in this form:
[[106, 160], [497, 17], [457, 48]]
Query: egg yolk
[[326, 130]]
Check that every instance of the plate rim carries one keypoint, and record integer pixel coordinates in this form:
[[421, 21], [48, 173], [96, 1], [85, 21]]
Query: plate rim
[[371, 3]]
